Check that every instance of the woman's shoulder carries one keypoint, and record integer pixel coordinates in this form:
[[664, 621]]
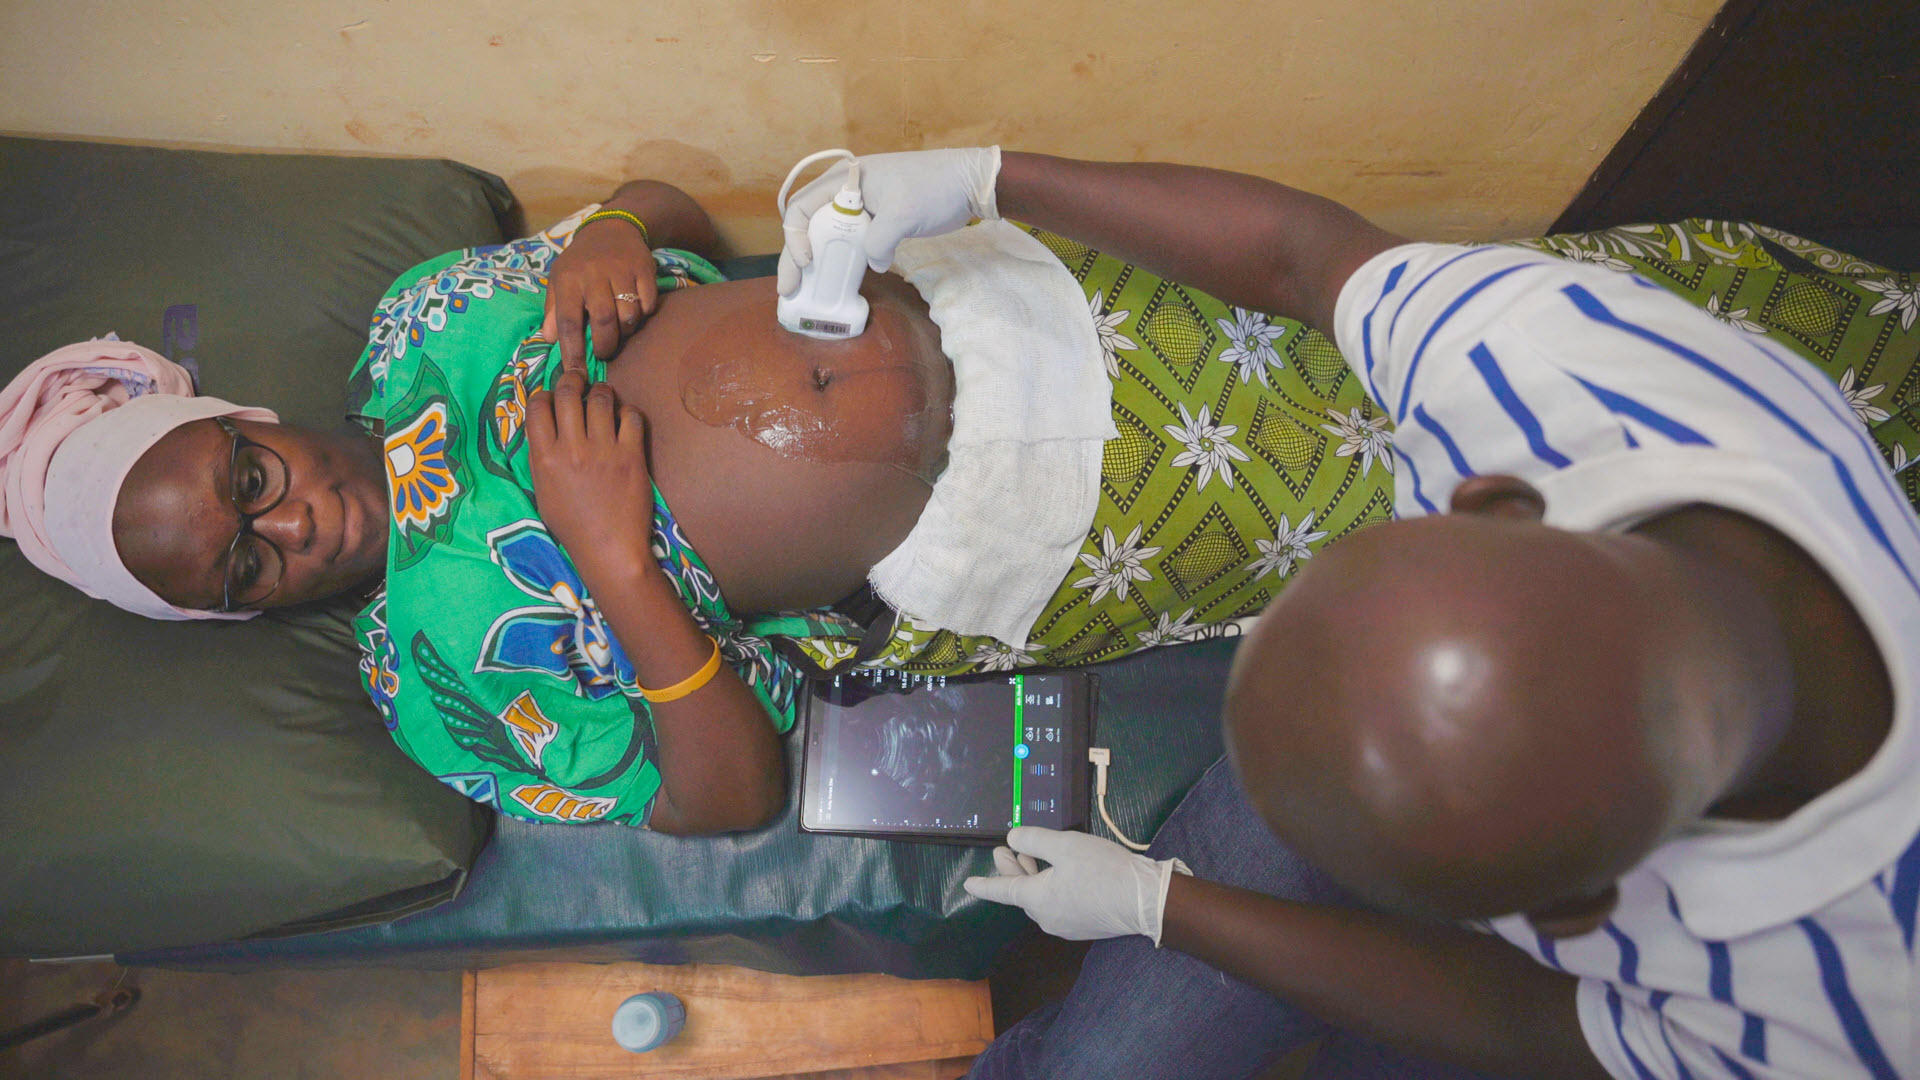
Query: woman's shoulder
[[479, 301]]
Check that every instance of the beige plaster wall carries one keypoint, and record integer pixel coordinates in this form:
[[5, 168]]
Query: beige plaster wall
[[1445, 118]]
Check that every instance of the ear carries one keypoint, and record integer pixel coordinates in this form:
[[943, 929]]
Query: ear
[[1499, 496], [1576, 917]]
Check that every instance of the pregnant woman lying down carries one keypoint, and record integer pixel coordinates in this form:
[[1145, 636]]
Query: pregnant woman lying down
[[594, 594], [1035, 454]]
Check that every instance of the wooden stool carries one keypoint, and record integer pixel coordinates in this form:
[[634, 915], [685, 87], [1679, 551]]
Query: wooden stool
[[553, 1022]]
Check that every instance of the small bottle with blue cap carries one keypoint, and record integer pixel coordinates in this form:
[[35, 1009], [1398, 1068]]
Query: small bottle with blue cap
[[646, 1022]]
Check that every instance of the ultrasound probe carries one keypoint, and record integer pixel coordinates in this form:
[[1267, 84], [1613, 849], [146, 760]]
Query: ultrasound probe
[[828, 303]]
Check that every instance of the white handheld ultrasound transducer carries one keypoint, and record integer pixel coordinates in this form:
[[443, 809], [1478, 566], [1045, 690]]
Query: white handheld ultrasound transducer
[[828, 303]]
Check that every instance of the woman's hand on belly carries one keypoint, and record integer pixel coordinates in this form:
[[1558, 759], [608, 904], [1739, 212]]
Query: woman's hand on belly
[[588, 456], [605, 279], [719, 759], [606, 276]]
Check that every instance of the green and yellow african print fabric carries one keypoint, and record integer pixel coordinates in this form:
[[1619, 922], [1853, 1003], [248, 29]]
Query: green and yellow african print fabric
[[1246, 444]]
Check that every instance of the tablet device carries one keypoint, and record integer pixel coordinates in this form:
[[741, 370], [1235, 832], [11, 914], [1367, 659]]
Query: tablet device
[[954, 761]]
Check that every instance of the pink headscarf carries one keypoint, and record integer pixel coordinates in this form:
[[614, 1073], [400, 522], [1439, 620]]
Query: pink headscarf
[[72, 425]]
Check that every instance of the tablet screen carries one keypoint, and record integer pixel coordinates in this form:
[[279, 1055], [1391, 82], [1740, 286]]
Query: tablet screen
[[974, 757]]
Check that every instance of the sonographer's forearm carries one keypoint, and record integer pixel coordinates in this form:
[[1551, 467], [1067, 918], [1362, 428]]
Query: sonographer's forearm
[[1430, 990], [1246, 240]]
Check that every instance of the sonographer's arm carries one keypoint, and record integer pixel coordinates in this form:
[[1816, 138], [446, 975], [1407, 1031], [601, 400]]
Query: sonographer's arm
[[1430, 990], [1248, 241]]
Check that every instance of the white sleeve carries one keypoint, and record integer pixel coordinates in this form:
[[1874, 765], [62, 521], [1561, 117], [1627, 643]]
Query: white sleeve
[[1502, 360], [1637, 1036], [1636, 1042]]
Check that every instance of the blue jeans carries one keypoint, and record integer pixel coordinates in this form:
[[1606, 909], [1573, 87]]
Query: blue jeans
[[1141, 1013]]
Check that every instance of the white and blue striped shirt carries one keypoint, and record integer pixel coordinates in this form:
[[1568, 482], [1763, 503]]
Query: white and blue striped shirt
[[1737, 950]]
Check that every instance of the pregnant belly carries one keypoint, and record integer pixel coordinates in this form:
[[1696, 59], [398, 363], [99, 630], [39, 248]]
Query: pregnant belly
[[793, 465]]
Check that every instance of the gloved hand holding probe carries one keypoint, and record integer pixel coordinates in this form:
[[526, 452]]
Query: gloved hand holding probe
[[917, 193]]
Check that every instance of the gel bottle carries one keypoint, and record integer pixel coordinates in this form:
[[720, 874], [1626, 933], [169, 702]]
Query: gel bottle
[[645, 1022]]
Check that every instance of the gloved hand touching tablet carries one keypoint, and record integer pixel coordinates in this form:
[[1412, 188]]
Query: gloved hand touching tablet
[[1092, 888]]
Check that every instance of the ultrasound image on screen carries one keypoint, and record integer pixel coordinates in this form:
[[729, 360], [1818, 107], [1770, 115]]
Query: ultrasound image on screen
[[942, 758]]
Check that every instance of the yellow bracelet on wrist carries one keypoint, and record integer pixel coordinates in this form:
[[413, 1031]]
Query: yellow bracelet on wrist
[[687, 685], [603, 215]]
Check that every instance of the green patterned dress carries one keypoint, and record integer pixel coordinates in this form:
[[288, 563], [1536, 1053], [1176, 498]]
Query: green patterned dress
[[1245, 446], [484, 654]]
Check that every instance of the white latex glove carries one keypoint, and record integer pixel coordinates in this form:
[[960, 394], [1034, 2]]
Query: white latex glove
[[1093, 889], [916, 193]]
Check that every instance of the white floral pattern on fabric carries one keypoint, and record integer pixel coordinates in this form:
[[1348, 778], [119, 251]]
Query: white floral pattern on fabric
[[1368, 438], [1000, 656], [1861, 398], [1206, 446], [1290, 545], [1902, 298], [1597, 256], [838, 650], [1117, 566], [1732, 316], [1252, 336], [1172, 631], [1108, 327]]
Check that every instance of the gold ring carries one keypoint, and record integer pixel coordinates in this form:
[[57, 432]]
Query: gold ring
[[627, 297]]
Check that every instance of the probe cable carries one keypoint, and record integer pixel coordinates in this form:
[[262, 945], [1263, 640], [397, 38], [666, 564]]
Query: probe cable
[[1101, 758]]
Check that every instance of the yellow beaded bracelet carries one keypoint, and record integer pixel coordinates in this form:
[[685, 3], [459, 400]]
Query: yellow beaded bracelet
[[687, 685], [602, 215]]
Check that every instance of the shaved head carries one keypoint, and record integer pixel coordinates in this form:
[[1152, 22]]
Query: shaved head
[[1477, 714]]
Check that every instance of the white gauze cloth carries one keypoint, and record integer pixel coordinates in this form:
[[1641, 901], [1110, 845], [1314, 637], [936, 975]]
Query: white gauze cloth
[[1032, 410]]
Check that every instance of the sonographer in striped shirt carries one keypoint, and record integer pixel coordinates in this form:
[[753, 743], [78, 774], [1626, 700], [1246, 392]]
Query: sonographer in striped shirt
[[1740, 950]]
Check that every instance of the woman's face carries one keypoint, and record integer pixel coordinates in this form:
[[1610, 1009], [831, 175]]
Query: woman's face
[[175, 521]]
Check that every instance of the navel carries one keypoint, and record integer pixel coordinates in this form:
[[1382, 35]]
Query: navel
[[844, 403]]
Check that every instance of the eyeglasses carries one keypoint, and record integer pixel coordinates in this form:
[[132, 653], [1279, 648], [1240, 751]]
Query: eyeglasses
[[257, 481]]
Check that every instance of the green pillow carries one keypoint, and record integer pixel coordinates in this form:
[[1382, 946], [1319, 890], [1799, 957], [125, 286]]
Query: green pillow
[[172, 783]]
